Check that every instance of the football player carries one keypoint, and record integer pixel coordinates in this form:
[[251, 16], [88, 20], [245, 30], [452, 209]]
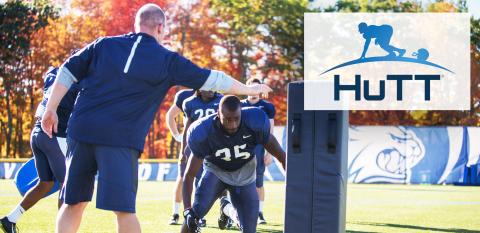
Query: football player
[[49, 153], [224, 143]]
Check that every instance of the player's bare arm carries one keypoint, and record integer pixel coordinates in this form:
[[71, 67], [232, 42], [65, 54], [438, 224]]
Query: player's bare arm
[[193, 165], [173, 112], [219, 81], [268, 157], [50, 118], [274, 148]]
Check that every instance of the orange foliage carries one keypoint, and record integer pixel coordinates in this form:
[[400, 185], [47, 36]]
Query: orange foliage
[[121, 14]]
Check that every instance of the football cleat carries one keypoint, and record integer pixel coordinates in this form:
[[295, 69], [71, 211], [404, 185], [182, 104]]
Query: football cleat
[[261, 219], [174, 219], [7, 226], [223, 220], [230, 223], [202, 222], [191, 221]]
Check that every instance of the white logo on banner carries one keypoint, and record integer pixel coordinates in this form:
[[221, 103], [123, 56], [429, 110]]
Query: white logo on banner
[[9, 170], [383, 154]]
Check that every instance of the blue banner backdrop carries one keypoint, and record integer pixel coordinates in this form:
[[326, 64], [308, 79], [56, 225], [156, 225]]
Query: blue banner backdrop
[[377, 154], [411, 155]]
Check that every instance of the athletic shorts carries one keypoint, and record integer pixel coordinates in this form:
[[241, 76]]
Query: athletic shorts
[[48, 155], [117, 169]]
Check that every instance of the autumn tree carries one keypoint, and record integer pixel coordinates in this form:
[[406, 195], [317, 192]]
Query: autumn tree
[[19, 22], [264, 39]]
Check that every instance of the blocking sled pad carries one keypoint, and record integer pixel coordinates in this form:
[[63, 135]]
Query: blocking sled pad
[[316, 167]]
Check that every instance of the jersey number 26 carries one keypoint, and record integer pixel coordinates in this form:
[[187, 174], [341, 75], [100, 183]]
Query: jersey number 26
[[201, 113]]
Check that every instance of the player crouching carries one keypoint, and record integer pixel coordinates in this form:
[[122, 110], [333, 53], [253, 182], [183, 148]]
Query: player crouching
[[226, 141]]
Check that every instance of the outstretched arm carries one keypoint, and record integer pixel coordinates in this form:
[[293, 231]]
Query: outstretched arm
[[183, 72], [219, 81], [365, 47], [274, 148]]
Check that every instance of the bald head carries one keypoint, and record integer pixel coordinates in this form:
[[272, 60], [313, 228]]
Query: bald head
[[149, 18]]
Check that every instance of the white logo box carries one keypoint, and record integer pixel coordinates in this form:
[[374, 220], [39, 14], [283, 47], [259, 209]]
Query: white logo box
[[334, 38]]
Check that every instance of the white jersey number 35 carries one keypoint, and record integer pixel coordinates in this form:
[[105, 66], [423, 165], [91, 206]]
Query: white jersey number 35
[[227, 155]]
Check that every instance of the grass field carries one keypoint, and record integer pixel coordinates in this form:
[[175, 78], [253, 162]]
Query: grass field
[[371, 208]]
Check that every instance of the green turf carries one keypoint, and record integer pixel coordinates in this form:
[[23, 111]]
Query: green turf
[[371, 208]]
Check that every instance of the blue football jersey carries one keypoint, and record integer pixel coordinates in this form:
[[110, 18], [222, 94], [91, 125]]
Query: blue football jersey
[[64, 108], [266, 106], [124, 80], [208, 141], [194, 107], [181, 96]]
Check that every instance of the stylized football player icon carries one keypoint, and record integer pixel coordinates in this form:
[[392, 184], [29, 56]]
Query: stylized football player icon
[[382, 35]]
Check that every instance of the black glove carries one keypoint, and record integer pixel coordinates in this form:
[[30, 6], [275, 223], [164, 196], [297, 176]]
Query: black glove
[[191, 220]]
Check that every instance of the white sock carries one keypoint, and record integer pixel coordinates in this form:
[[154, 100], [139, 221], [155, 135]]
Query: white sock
[[231, 212], [260, 206], [176, 207], [16, 213]]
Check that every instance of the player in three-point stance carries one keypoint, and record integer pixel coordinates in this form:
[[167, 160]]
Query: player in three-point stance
[[224, 143]]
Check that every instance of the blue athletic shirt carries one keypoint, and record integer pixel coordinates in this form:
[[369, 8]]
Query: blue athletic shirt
[[266, 106], [124, 80], [64, 108], [208, 141], [181, 96], [194, 107]]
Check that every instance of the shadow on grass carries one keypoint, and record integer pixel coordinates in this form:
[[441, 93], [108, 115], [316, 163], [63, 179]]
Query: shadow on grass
[[457, 230], [259, 230], [268, 231], [352, 231]]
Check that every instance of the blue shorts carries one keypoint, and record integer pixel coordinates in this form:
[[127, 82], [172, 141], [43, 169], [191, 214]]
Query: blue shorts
[[244, 199], [49, 158], [117, 169]]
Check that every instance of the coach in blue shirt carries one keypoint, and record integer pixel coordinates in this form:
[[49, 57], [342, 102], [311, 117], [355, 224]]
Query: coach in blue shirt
[[124, 80]]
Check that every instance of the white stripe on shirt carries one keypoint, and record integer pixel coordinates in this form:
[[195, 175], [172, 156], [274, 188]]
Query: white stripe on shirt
[[132, 52]]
